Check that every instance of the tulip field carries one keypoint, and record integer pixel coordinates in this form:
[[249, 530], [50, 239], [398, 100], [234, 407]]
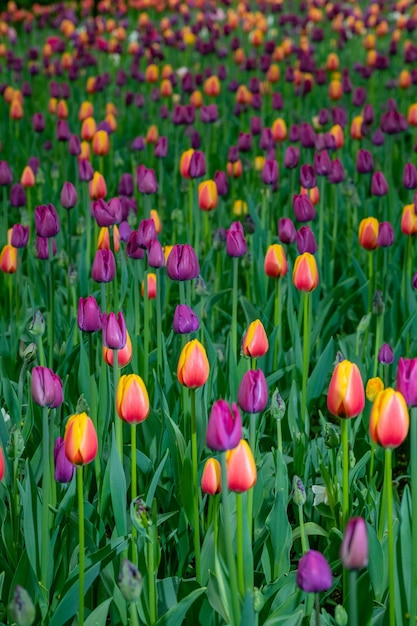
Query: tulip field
[[208, 320]]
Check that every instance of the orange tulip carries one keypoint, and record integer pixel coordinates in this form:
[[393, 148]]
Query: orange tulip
[[193, 366], [346, 396], [235, 169], [185, 163], [152, 286], [368, 233], [103, 242], [88, 128], [409, 220], [8, 259], [356, 127], [62, 110], [157, 221], [212, 86], [101, 143], [211, 482], [335, 89], [305, 274], [337, 132], [152, 73], [85, 151], [207, 195], [16, 109], [255, 341], [80, 439], [241, 468], [196, 99], [28, 177], [279, 129], [275, 264], [412, 114], [165, 88], [124, 355], [132, 400], [97, 187], [389, 419]]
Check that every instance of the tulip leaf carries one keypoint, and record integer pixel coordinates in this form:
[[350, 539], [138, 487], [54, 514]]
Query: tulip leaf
[[176, 614], [99, 616], [290, 619], [117, 489], [84, 374], [155, 480], [277, 522], [321, 372], [311, 528], [186, 487], [376, 565], [32, 519]]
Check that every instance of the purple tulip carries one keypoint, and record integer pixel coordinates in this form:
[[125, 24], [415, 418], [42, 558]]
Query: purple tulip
[[306, 242], [313, 573], [307, 176], [17, 196], [337, 174], [307, 136], [410, 176], [185, 320], [138, 144], [125, 231], [385, 235], [85, 170], [63, 132], [104, 266], [270, 172], [322, 163], [224, 429], [253, 392], [197, 167], [354, 548], [89, 315], [291, 157], [114, 330], [220, 179], [379, 185], [38, 122], [20, 236], [161, 148], [378, 138], [286, 230], [64, 469], [386, 354], [182, 263], [46, 387], [244, 142], [125, 187], [266, 141], [44, 247], [235, 240], [74, 145], [146, 180], [133, 249], [156, 256], [146, 233], [68, 196], [46, 221], [303, 208], [364, 162], [407, 380], [6, 176]]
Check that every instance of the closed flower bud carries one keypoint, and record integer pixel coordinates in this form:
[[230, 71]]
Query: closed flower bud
[[86, 174], [364, 162], [291, 157], [406, 380], [64, 469], [305, 276], [354, 548], [322, 163], [306, 241], [304, 210], [197, 167], [6, 176], [298, 491], [28, 177], [101, 144], [410, 176], [185, 163], [193, 366], [275, 264], [68, 196], [386, 355], [389, 420], [37, 325], [235, 240], [346, 395], [97, 186], [307, 176], [211, 480], [152, 286], [255, 341], [20, 236], [182, 263], [8, 259], [80, 439], [114, 330], [89, 315], [132, 400], [270, 172], [253, 392], [337, 175], [286, 230], [130, 581], [373, 387], [368, 233], [21, 607], [221, 183], [17, 196], [104, 266], [224, 429], [106, 213], [161, 148], [207, 195], [379, 186], [45, 248], [124, 356], [409, 220], [241, 468], [313, 573], [133, 249], [385, 235], [155, 254], [185, 320], [46, 387], [146, 180], [46, 221]]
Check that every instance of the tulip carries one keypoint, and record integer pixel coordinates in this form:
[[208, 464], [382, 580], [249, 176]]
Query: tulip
[[221, 183], [124, 356], [68, 195], [409, 220], [286, 230], [255, 341], [101, 143], [306, 242], [291, 157], [253, 392], [322, 163], [389, 419], [17, 196], [146, 180], [185, 320], [410, 176], [279, 130], [346, 395], [307, 176], [364, 162], [74, 145], [337, 175], [114, 330], [406, 380], [161, 148], [235, 240], [275, 264], [22, 609], [197, 167], [104, 266], [379, 186], [313, 573], [354, 548], [64, 469], [46, 221], [46, 387], [224, 429], [385, 235], [89, 316], [182, 263], [207, 195], [97, 186], [8, 259], [193, 367], [305, 274], [386, 357], [132, 400], [28, 177], [241, 468], [152, 286], [156, 256], [80, 439], [19, 236], [373, 387], [270, 172], [211, 482], [185, 163], [43, 248], [125, 187], [304, 210], [6, 176], [368, 233]]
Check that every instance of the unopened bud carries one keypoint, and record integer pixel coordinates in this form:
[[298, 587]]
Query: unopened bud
[[331, 436], [15, 445], [378, 305], [21, 607], [340, 616], [298, 491], [278, 407], [82, 405], [364, 324], [37, 325], [130, 581]]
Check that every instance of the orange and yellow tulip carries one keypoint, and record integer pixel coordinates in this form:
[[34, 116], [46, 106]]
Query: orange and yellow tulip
[[193, 366], [132, 400], [241, 468], [305, 276], [207, 195], [211, 482], [255, 341], [8, 259], [275, 264], [80, 439], [368, 233], [346, 395], [389, 420]]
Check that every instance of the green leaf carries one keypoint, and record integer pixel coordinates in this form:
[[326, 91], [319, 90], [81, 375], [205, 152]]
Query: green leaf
[[155, 480], [84, 373], [99, 616], [185, 487], [277, 520], [376, 564], [292, 619], [320, 374], [177, 613], [117, 489], [311, 528], [32, 524]]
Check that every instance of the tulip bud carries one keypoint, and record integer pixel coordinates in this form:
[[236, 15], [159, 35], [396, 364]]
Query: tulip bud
[[373, 387], [193, 367], [305, 273], [291, 157], [235, 240], [407, 380], [146, 180], [298, 491], [22, 608], [221, 183], [270, 172], [346, 395], [224, 429], [379, 186], [132, 400], [8, 259], [68, 196], [255, 341], [253, 392], [241, 468], [386, 357], [97, 186], [364, 162], [207, 195], [313, 573], [211, 482], [104, 266], [307, 176], [410, 176], [6, 177], [368, 233], [46, 221], [286, 230], [89, 316], [130, 581], [114, 330], [46, 387], [155, 254], [354, 548], [64, 469], [124, 356], [306, 242], [389, 420], [80, 439], [275, 264], [385, 235], [182, 263], [304, 210], [37, 325], [185, 320]]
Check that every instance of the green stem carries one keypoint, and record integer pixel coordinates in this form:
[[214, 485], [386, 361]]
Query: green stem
[[118, 425], [391, 556], [80, 489], [151, 568], [277, 321], [353, 598], [158, 322], [317, 609], [136, 287], [239, 547], [306, 356], [413, 578], [371, 280], [191, 209], [51, 319], [133, 612], [345, 489], [234, 304], [279, 436], [146, 305], [252, 445], [134, 488], [303, 536], [228, 541], [322, 209], [46, 480], [194, 460]]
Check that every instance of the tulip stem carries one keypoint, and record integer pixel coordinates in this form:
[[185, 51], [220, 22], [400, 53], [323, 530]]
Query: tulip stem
[[146, 329], [234, 304], [80, 489], [321, 222], [306, 356], [51, 319], [252, 445], [134, 488], [317, 609], [46, 480], [391, 556], [194, 460], [118, 426], [191, 208], [134, 619], [239, 547], [277, 321], [303, 536], [345, 468], [353, 598], [413, 578], [228, 542], [158, 322], [371, 283], [136, 287]]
